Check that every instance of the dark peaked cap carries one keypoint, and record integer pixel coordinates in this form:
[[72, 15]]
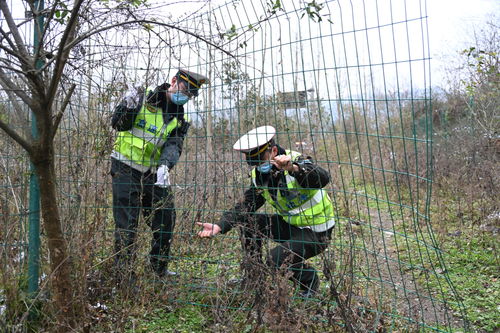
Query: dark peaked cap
[[193, 80]]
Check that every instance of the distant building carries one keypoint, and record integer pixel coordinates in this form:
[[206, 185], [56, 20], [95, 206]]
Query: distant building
[[293, 99]]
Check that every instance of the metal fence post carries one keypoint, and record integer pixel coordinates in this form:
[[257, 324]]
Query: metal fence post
[[34, 201]]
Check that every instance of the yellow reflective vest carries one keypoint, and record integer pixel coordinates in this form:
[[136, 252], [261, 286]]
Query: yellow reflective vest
[[303, 207], [140, 147]]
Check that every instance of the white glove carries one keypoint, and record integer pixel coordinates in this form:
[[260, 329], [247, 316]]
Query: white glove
[[162, 176], [132, 97]]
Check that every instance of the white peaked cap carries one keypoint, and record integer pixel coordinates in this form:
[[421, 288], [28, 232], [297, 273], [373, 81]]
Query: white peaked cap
[[254, 139]]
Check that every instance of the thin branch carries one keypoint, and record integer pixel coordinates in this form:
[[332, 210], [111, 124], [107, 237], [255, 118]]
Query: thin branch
[[18, 25], [248, 29], [8, 84], [19, 52], [12, 51], [49, 16], [60, 62], [62, 55], [83, 37], [58, 117], [16, 137], [13, 29], [5, 35], [10, 69], [157, 34], [19, 112], [120, 24]]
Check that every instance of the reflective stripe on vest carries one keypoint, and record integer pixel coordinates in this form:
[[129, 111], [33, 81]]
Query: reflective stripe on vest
[[323, 227], [147, 136], [125, 160], [310, 208], [316, 199]]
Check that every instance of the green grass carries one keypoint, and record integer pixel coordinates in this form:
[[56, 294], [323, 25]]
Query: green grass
[[185, 319], [472, 265], [470, 259]]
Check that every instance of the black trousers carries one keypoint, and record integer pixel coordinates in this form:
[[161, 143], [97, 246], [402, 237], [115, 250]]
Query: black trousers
[[296, 245], [134, 192]]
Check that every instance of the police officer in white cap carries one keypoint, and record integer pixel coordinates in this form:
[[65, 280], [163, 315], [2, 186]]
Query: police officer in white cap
[[151, 125], [293, 185]]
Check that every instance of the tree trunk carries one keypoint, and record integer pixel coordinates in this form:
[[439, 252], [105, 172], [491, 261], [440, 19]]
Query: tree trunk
[[60, 262]]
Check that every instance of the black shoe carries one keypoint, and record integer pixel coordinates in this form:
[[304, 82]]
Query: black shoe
[[160, 269], [165, 273], [311, 291], [308, 293]]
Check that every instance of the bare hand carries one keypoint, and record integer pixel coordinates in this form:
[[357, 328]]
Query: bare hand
[[284, 162], [209, 229]]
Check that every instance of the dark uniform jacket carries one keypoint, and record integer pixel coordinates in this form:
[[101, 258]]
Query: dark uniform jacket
[[124, 118], [309, 175]]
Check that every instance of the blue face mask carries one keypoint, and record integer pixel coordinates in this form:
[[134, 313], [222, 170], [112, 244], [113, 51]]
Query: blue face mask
[[265, 167], [179, 98]]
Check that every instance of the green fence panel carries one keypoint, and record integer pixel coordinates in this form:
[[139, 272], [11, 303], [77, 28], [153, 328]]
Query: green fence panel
[[347, 83]]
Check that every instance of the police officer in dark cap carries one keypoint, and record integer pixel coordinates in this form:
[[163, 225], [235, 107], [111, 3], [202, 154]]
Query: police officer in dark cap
[[304, 216], [151, 125]]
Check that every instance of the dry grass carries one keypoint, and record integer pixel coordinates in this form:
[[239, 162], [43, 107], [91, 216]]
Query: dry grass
[[370, 174]]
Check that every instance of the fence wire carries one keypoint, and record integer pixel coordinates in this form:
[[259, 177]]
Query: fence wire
[[345, 82]]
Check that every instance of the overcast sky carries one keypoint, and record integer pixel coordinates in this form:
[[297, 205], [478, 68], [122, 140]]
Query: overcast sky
[[451, 26], [451, 20], [451, 23]]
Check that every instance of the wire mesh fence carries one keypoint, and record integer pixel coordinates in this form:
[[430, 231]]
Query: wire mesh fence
[[344, 82]]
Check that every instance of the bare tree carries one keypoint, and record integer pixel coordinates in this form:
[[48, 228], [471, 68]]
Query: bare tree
[[37, 78], [36, 85]]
